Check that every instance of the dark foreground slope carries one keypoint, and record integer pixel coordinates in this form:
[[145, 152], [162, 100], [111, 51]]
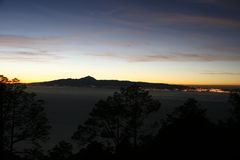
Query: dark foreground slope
[[92, 82]]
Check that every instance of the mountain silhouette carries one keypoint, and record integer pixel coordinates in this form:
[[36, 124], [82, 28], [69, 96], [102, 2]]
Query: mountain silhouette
[[92, 82]]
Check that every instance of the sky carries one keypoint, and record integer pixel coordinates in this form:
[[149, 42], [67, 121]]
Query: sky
[[161, 41]]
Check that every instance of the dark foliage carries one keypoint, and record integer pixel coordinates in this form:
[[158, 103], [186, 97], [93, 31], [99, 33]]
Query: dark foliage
[[115, 129], [94, 150], [22, 118], [185, 133], [61, 151], [119, 119]]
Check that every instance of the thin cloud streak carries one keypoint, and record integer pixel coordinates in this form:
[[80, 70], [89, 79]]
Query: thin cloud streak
[[25, 41], [221, 73], [26, 56], [152, 19], [178, 57], [231, 4]]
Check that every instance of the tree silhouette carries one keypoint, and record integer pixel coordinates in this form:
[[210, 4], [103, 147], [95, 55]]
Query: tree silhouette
[[234, 99], [138, 105], [189, 115], [22, 116], [119, 118], [187, 132], [94, 150], [231, 128], [61, 151]]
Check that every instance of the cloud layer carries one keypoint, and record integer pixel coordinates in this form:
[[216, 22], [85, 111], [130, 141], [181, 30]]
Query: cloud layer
[[28, 56], [26, 41], [222, 73], [179, 57]]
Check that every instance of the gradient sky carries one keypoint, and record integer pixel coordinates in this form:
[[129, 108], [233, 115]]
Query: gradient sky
[[167, 41]]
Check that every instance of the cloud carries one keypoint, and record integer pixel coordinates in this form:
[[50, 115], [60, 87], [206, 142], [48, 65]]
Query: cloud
[[221, 47], [178, 57], [26, 42], [233, 4], [149, 19], [28, 56], [16, 48], [206, 20], [207, 57], [222, 73]]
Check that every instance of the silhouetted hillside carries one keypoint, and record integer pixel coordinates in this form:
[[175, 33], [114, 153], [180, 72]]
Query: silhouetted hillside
[[92, 82]]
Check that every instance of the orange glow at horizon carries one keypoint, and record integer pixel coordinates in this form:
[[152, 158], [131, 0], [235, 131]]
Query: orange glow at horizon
[[189, 83]]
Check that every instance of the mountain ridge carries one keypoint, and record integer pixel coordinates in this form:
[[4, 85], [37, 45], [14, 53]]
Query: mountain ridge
[[90, 81]]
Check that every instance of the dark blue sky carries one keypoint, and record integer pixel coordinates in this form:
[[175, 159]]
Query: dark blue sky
[[158, 40]]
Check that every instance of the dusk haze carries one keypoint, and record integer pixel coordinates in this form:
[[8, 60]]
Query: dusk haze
[[119, 79], [176, 41]]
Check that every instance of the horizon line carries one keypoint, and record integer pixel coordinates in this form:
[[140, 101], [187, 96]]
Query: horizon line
[[186, 84]]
